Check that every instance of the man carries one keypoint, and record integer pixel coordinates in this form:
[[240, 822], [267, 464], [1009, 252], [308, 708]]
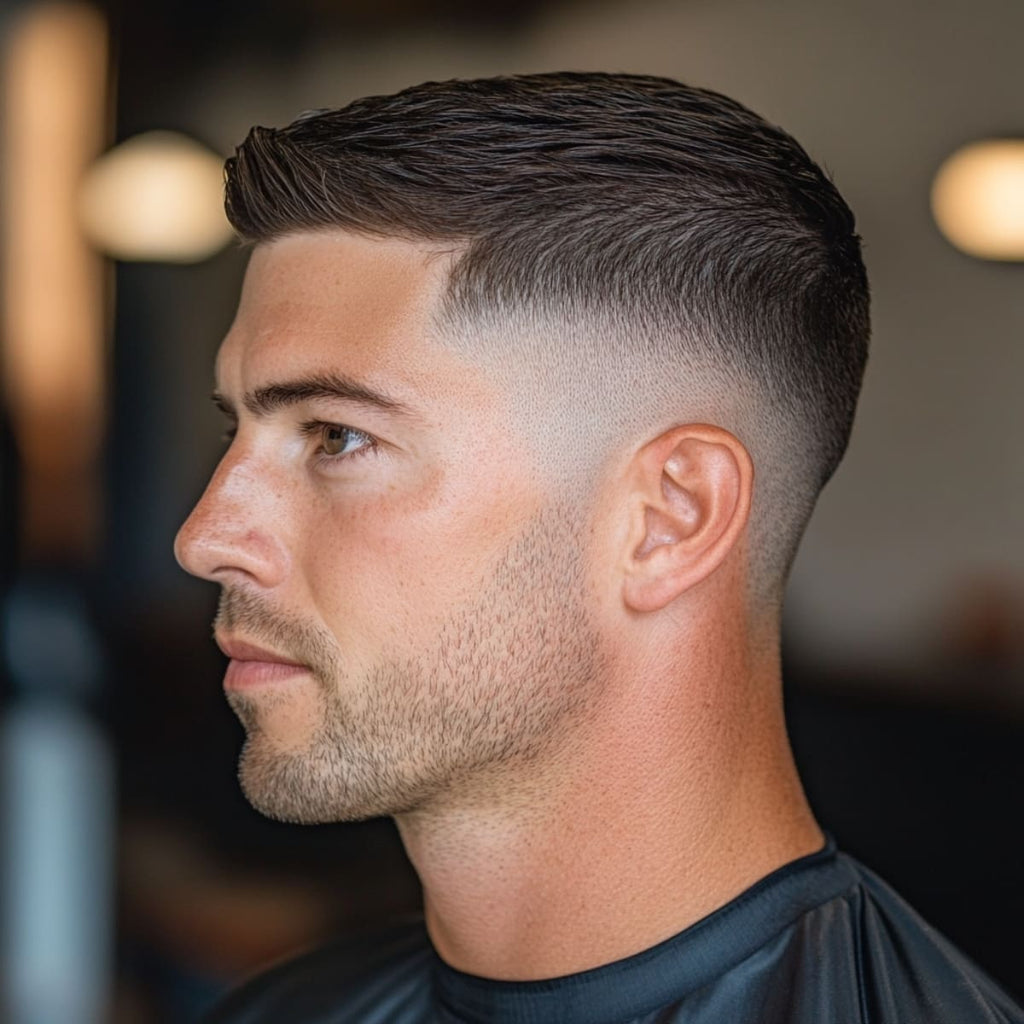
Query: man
[[533, 385]]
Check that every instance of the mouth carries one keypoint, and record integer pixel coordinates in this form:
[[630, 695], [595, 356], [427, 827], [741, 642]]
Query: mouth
[[253, 666]]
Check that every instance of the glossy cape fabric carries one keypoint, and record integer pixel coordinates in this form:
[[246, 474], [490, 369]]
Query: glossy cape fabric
[[820, 941]]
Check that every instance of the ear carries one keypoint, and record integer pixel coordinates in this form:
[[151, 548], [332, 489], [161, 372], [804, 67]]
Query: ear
[[690, 497]]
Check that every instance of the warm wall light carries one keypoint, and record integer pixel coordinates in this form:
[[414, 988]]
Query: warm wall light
[[52, 316], [978, 199], [158, 196]]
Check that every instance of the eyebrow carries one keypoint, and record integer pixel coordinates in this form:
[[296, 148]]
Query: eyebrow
[[331, 386]]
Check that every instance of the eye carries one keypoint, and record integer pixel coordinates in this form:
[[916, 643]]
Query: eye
[[337, 440]]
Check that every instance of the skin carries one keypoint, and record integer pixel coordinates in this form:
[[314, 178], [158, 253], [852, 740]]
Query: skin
[[570, 706]]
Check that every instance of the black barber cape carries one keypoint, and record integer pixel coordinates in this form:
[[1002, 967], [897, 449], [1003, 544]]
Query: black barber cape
[[820, 941]]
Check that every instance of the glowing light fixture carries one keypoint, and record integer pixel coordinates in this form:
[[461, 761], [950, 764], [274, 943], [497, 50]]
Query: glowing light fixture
[[52, 283], [159, 196], [978, 199]]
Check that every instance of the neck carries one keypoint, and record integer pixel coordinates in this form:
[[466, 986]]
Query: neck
[[677, 797]]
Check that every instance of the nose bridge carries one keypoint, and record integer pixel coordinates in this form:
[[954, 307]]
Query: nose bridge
[[235, 526]]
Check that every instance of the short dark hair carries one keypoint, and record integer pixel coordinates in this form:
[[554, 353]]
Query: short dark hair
[[636, 199]]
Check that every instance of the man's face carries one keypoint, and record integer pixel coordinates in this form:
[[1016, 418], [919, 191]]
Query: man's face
[[403, 598]]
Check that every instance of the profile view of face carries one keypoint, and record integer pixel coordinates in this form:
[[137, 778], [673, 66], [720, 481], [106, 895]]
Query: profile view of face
[[404, 601]]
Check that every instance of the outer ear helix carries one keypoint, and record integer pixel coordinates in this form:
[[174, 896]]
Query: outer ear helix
[[694, 488]]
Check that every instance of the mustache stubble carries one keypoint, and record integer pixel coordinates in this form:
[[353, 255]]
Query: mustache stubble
[[243, 613]]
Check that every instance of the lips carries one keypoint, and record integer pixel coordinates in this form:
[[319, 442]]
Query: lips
[[252, 665], [242, 650]]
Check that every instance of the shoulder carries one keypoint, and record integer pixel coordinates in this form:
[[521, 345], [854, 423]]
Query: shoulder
[[870, 943], [824, 939], [385, 975]]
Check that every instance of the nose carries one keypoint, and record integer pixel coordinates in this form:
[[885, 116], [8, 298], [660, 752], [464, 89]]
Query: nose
[[233, 534]]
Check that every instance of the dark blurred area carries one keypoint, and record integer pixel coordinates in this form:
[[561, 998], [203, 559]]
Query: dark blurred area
[[905, 628]]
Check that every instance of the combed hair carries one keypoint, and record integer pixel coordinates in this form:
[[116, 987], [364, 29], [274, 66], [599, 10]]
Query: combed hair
[[694, 232]]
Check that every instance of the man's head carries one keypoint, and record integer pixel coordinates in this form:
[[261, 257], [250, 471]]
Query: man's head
[[631, 253], [555, 277]]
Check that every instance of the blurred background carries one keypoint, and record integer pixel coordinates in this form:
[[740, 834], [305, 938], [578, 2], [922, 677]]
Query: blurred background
[[137, 883]]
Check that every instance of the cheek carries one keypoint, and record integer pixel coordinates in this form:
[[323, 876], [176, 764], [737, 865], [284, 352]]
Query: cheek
[[390, 573]]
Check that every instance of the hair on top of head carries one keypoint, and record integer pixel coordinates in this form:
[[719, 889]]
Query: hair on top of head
[[694, 231]]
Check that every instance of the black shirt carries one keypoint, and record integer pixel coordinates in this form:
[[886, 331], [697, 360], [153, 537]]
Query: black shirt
[[820, 941]]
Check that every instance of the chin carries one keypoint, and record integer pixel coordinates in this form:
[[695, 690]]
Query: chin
[[314, 789]]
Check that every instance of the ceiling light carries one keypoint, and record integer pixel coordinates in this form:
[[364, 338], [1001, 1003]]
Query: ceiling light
[[159, 196], [978, 199]]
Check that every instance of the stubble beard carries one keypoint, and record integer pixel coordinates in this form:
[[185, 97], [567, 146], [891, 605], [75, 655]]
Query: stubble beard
[[504, 682]]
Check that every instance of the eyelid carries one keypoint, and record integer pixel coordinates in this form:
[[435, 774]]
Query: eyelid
[[313, 427]]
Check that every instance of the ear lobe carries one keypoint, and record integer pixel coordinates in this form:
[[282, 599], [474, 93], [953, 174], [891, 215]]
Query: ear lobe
[[690, 506]]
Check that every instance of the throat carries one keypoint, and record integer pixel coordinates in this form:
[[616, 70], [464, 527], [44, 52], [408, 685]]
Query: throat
[[545, 889]]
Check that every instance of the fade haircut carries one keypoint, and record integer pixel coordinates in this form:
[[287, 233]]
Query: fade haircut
[[629, 253]]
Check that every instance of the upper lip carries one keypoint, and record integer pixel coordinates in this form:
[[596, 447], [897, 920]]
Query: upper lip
[[242, 650]]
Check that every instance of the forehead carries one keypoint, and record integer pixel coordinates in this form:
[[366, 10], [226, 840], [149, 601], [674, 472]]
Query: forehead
[[334, 301]]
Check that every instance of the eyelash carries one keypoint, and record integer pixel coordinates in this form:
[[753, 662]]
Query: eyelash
[[313, 427]]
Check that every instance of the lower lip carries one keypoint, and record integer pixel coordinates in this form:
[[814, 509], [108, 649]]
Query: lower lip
[[242, 675]]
